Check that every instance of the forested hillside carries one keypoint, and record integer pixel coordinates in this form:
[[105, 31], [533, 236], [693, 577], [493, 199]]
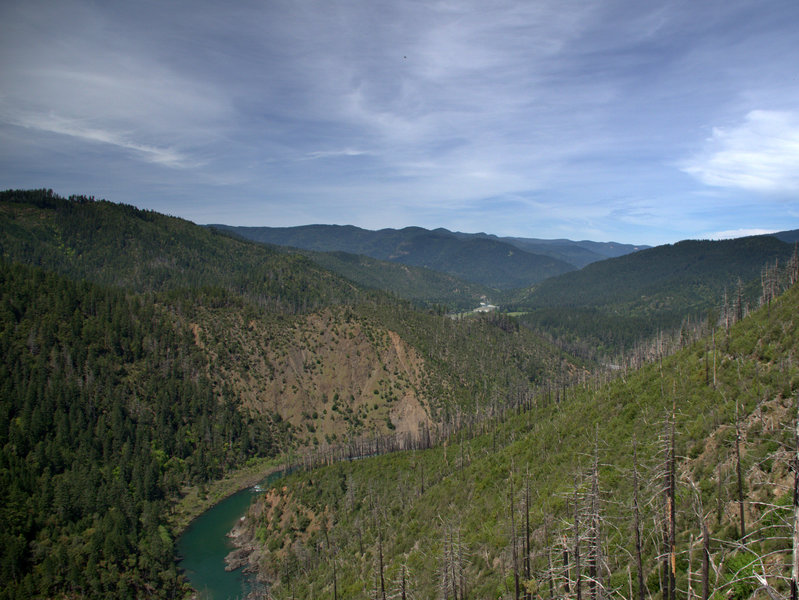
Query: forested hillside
[[692, 452], [106, 413], [482, 260], [613, 304], [141, 250], [579, 254], [422, 286], [145, 356]]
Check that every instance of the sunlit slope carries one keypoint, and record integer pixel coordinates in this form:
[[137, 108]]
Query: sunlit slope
[[682, 277], [612, 305], [457, 507], [140, 250]]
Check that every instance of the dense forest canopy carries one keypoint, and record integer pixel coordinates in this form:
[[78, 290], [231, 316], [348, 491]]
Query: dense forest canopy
[[145, 357]]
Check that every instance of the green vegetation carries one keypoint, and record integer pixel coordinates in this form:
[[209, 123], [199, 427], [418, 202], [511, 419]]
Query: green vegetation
[[123, 246], [106, 414], [429, 518], [480, 259], [420, 285], [609, 307], [146, 358], [684, 278], [152, 365]]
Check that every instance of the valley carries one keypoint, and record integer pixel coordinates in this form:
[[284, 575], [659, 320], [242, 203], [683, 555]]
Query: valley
[[153, 366]]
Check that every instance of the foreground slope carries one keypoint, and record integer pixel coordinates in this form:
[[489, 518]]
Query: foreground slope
[[453, 521]]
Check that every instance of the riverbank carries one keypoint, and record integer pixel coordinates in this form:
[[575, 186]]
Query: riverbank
[[197, 500]]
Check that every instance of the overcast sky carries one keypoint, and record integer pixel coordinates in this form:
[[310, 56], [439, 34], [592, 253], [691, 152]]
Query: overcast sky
[[640, 122]]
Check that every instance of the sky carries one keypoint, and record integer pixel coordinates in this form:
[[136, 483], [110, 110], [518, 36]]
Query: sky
[[610, 120]]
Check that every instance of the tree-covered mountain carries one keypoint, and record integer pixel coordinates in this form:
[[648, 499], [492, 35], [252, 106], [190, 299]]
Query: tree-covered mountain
[[123, 246], [489, 262], [145, 355], [613, 303], [790, 237], [106, 412], [420, 285], [618, 490], [578, 254]]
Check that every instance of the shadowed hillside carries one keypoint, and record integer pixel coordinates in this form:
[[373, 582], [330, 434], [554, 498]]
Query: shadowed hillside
[[489, 262]]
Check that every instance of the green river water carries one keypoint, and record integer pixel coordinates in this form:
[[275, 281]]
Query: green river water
[[203, 546]]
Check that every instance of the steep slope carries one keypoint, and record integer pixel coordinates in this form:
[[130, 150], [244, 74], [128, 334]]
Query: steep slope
[[688, 275], [207, 355], [511, 510], [119, 245], [106, 412], [615, 303], [417, 284], [480, 260]]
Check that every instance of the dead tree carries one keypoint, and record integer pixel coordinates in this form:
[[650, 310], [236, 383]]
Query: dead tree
[[380, 582], [514, 552], [739, 472], [793, 265], [594, 537], [550, 573], [333, 560], [578, 584], [402, 587], [739, 301], [454, 562], [671, 500], [527, 551], [795, 536], [639, 560]]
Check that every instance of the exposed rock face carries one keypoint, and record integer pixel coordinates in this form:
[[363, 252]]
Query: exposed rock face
[[329, 374], [247, 553], [242, 538]]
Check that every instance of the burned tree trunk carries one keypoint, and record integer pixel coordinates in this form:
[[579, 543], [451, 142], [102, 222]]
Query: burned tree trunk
[[639, 560], [795, 554], [739, 473]]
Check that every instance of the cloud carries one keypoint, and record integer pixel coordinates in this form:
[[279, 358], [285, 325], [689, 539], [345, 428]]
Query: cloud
[[738, 233], [71, 69], [167, 157], [346, 152], [761, 154]]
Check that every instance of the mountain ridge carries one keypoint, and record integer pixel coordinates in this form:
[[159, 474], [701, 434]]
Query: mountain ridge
[[483, 260]]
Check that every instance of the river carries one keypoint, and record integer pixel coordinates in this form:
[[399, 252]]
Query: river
[[204, 546]]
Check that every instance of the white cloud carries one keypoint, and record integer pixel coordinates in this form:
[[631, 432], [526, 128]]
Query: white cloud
[[54, 124], [738, 233], [761, 154], [336, 153]]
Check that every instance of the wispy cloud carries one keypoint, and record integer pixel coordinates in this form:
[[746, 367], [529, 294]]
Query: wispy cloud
[[51, 123], [737, 233], [531, 117], [345, 152], [760, 154]]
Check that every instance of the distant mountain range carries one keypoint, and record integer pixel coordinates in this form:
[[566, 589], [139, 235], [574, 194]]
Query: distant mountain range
[[496, 262]]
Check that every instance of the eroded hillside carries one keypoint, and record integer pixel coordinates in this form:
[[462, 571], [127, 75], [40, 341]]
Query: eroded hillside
[[506, 513], [331, 375]]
